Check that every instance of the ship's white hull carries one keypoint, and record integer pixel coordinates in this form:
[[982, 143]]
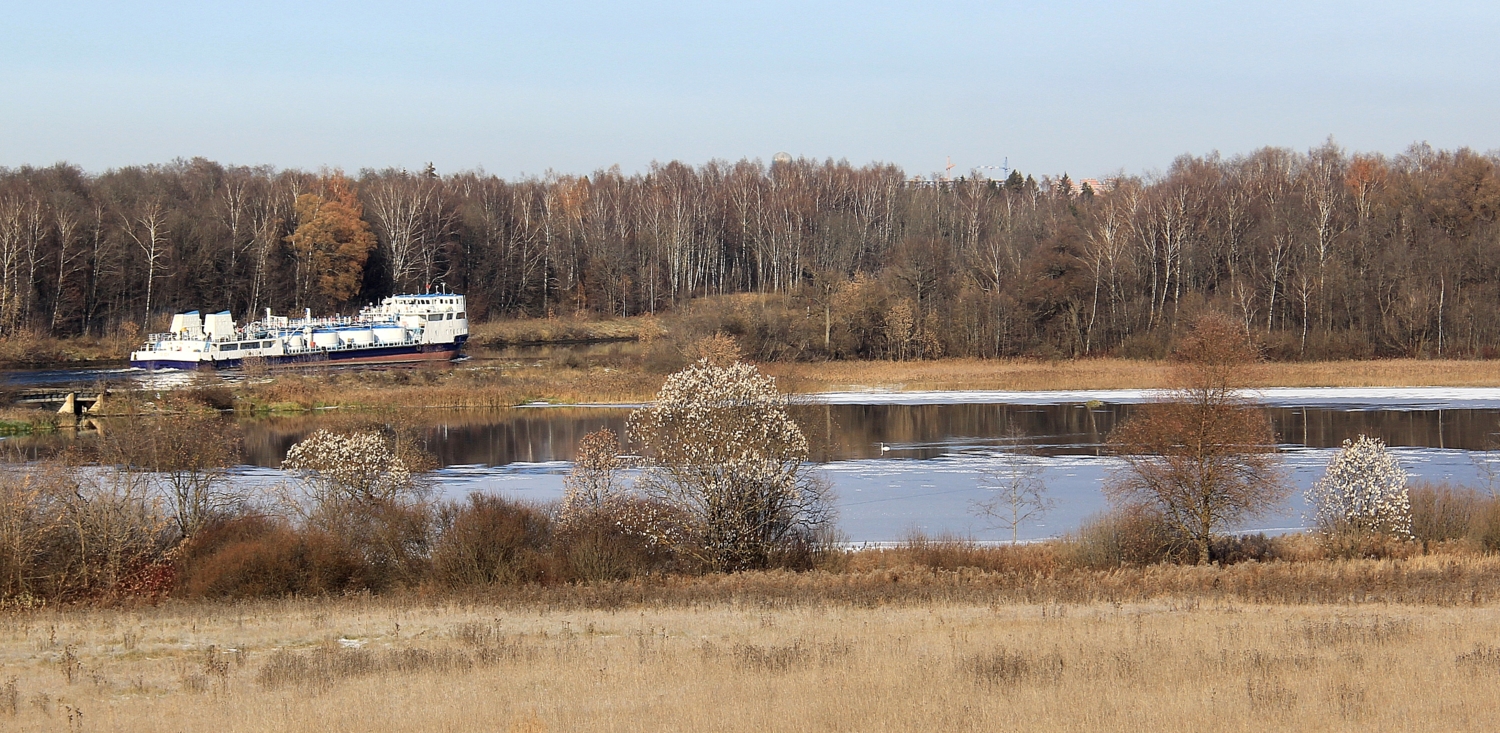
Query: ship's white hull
[[401, 329]]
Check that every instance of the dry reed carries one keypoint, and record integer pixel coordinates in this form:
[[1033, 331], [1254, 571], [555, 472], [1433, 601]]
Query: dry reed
[[398, 664], [501, 383], [1112, 373]]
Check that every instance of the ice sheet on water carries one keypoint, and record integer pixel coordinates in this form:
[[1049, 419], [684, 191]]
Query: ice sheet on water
[[1351, 398], [885, 499]]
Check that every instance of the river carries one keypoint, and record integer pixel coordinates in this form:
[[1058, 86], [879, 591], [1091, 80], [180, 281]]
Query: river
[[902, 462]]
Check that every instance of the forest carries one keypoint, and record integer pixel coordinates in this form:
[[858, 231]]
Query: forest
[[1319, 254]]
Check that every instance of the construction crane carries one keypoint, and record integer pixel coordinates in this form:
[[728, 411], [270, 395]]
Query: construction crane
[[1004, 169]]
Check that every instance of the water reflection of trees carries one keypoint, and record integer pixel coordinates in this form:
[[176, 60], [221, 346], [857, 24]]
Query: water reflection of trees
[[841, 432], [456, 437], [836, 432]]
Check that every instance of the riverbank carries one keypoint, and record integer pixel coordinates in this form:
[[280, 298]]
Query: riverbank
[[490, 379], [906, 648], [32, 351], [501, 382]]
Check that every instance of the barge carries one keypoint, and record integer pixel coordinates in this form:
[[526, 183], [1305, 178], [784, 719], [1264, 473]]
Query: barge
[[400, 329]]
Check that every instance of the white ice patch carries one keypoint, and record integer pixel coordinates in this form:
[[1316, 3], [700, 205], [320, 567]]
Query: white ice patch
[[1348, 398]]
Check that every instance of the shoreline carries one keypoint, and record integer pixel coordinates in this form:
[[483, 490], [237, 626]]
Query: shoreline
[[492, 381]]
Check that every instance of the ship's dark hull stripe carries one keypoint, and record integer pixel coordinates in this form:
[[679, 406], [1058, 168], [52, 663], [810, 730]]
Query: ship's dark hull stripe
[[342, 357]]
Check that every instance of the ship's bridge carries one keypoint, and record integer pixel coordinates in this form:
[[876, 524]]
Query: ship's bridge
[[421, 304]]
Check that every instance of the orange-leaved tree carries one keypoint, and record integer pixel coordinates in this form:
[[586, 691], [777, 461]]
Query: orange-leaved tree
[[1203, 456], [332, 242]]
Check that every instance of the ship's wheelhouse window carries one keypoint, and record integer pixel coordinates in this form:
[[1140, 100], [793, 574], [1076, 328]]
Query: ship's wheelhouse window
[[460, 315]]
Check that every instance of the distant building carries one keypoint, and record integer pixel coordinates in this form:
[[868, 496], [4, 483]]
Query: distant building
[[1096, 185]]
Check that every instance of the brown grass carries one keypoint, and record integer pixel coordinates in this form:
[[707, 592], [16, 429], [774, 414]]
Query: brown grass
[[481, 386], [501, 383], [1110, 373], [750, 661], [529, 331], [28, 350]]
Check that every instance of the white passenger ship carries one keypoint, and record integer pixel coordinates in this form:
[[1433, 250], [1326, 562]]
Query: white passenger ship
[[402, 328]]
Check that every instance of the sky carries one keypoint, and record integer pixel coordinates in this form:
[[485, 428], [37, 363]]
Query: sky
[[1087, 88]]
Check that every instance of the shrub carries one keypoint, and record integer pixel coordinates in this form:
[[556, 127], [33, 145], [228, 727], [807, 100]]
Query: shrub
[[617, 542], [1131, 535], [489, 540], [1350, 544], [1455, 514], [1362, 492], [185, 456], [1232, 549], [392, 540], [365, 489], [362, 466], [728, 459], [214, 397], [952, 553], [594, 480], [256, 556], [1484, 528], [1440, 512]]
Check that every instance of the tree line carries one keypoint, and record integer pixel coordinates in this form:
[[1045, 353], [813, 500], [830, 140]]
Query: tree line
[[1322, 253]]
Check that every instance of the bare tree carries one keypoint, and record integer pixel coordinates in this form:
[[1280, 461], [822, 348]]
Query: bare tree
[[1203, 456], [1328, 254], [148, 229], [1017, 493]]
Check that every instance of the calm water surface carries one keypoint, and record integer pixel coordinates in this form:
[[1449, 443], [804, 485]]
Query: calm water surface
[[897, 468], [892, 432], [900, 468]]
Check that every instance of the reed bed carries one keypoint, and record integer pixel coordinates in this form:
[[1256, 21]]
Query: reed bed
[[481, 386], [529, 331], [491, 383], [30, 349], [1175, 662], [1112, 373]]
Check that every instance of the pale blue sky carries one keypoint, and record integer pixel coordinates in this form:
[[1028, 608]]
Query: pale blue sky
[[1082, 87]]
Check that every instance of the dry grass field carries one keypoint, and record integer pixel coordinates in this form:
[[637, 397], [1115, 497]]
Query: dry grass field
[[486, 383], [1109, 373], [724, 655], [563, 330], [27, 349]]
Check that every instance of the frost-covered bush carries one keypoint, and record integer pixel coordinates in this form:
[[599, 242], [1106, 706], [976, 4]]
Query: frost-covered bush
[[728, 460], [358, 467], [362, 490], [1364, 490], [594, 483]]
